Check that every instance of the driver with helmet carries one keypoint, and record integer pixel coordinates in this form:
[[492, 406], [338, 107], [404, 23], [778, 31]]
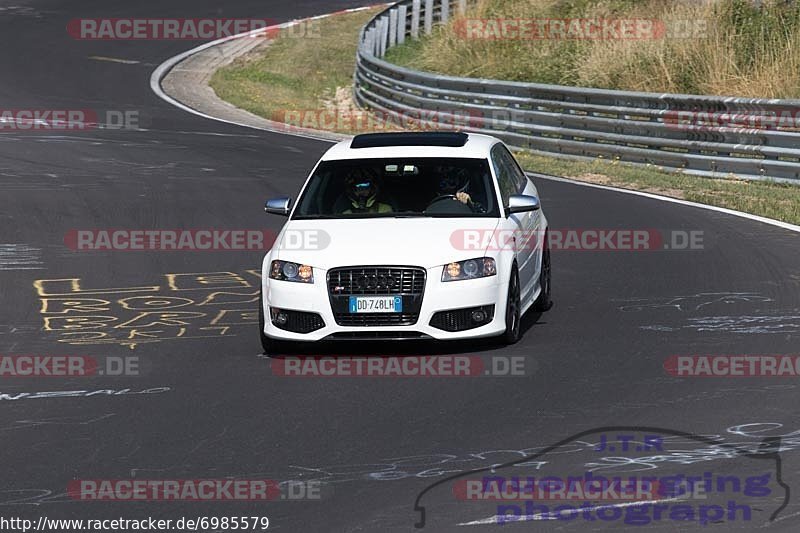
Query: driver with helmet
[[362, 188], [454, 182]]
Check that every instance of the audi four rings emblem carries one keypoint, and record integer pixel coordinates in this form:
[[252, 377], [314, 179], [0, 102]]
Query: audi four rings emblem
[[374, 282]]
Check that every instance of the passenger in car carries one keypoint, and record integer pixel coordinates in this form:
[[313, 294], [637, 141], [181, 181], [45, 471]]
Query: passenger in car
[[362, 188]]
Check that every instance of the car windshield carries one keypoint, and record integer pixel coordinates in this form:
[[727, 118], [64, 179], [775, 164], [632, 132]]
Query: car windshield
[[415, 187]]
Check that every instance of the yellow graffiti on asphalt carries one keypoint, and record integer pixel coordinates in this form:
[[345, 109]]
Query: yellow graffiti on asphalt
[[185, 306]]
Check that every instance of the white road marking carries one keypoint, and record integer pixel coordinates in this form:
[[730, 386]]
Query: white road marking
[[20, 257], [115, 60]]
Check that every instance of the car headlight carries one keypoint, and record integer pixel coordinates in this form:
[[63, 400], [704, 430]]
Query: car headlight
[[481, 267], [288, 271]]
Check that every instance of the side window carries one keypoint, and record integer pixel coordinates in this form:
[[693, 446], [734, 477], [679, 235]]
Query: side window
[[517, 176], [505, 177]]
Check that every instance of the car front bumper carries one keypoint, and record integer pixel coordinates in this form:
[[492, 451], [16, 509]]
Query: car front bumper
[[437, 297]]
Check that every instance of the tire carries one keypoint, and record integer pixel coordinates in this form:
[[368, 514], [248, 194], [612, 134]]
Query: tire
[[513, 306], [269, 345], [544, 301]]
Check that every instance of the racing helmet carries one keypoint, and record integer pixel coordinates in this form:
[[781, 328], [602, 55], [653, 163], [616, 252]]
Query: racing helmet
[[361, 187], [452, 180]]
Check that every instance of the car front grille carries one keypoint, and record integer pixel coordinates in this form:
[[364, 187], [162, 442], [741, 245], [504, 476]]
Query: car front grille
[[406, 282], [376, 281]]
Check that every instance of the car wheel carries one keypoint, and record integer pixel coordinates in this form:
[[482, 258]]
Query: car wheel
[[513, 307], [269, 345], [544, 301]]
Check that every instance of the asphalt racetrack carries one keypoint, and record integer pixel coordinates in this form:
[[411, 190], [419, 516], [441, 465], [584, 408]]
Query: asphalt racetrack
[[207, 405]]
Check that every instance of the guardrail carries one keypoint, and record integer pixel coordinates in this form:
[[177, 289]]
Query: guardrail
[[675, 131]]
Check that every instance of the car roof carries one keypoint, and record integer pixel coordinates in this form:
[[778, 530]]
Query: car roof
[[476, 146]]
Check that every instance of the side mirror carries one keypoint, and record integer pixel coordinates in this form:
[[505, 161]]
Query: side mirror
[[278, 206], [522, 203]]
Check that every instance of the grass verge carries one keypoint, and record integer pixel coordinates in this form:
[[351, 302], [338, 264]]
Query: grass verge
[[302, 74], [747, 48], [316, 73]]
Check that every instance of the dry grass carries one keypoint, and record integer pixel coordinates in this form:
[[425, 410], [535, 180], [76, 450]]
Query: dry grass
[[295, 74], [733, 48]]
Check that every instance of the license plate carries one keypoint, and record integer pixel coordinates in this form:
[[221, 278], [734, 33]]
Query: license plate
[[376, 304]]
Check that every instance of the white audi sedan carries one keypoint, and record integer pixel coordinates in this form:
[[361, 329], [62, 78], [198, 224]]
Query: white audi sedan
[[407, 236]]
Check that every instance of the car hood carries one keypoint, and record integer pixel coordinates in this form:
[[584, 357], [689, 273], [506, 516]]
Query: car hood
[[426, 242]]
